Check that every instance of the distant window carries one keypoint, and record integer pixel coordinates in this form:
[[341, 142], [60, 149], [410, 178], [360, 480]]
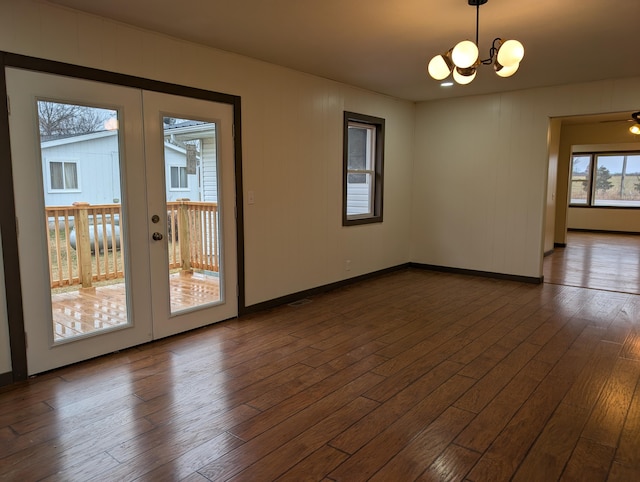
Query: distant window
[[580, 179], [63, 175], [179, 179], [605, 179], [363, 169]]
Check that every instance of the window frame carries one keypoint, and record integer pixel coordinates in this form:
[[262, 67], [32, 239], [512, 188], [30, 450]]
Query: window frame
[[65, 189], [179, 188], [375, 169], [592, 201]]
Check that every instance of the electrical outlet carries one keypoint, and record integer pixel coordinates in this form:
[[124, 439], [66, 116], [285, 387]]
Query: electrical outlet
[[347, 265]]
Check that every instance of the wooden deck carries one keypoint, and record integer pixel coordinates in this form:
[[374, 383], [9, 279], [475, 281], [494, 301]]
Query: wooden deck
[[86, 311]]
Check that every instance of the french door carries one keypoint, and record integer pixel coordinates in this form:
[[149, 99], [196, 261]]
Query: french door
[[125, 205]]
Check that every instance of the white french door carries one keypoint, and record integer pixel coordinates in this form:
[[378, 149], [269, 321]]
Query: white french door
[[191, 190], [125, 207]]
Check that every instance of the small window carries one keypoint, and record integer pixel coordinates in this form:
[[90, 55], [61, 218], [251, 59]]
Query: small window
[[179, 179], [605, 179], [363, 164], [63, 176]]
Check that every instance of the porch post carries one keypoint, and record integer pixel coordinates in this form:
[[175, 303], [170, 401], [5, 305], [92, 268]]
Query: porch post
[[184, 240], [83, 243]]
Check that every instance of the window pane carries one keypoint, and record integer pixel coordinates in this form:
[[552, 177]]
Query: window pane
[[56, 175], [632, 178], [175, 181], [580, 179], [183, 177], [195, 174], [357, 148], [359, 196], [617, 180], [84, 252], [70, 175], [356, 178]]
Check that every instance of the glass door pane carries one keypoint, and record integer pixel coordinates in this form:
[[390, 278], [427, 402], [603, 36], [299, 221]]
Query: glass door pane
[[80, 155], [193, 227]]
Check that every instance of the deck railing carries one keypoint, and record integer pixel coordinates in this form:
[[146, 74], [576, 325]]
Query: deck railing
[[85, 241]]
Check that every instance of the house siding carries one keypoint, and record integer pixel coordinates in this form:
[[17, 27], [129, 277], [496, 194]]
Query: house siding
[[98, 170], [209, 172]]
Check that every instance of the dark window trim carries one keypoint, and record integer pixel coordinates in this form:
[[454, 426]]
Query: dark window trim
[[378, 183], [592, 171], [15, 313]]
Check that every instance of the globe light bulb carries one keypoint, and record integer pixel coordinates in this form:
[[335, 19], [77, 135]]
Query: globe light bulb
[[464, 54], [506, 71], [438, 68], [463, 78], [510, 53], [635, 129]]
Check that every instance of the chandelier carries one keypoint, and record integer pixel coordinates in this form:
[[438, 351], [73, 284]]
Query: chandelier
[[463, 60]]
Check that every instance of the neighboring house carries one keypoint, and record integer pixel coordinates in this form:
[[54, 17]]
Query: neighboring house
[[179, 183], [81, 168], [204, 135], [86, 167]]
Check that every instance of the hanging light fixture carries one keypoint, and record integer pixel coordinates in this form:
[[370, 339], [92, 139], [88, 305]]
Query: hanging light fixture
[[463, 60], [635, 128]]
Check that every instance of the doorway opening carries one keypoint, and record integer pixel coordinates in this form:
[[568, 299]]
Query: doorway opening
[[594, 245]]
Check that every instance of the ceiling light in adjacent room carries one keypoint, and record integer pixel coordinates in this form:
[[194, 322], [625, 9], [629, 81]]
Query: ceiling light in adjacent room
[[635, 128]]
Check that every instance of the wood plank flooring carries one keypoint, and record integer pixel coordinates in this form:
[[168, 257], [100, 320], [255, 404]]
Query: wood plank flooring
[[414, 375], [603, 261]]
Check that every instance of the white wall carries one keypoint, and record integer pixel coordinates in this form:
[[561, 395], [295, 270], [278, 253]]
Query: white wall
[[602, 219], [555, 126], [292, 143], [481, 170]]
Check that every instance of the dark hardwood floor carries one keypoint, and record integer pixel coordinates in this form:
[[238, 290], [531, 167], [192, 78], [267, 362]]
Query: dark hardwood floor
[[603, 261], [415, 375]]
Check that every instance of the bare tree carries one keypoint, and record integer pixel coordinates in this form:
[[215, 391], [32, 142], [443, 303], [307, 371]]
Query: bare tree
[[58, 119]]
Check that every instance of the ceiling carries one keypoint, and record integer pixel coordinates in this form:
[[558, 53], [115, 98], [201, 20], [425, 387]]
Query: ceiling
[[384, 45]]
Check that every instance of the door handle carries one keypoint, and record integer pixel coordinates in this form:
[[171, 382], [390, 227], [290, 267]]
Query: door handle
[[157, 236]]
